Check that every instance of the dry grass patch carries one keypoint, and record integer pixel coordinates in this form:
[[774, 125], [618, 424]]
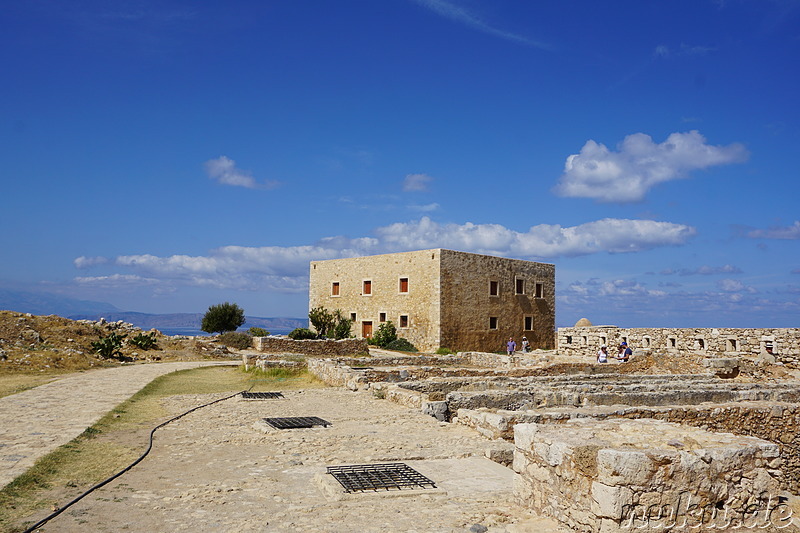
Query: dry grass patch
[[14, 383]]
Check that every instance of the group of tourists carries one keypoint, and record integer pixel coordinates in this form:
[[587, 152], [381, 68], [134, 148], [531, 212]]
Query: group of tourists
[[511, 346], [623, 353]]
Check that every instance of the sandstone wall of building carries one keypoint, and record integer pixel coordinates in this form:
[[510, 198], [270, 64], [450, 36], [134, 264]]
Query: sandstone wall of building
[[386, 301], [475, 319], [773, 344]]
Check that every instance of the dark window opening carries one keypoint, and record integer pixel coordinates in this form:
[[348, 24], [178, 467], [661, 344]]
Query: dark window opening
[[492, 322], [403, 321], [494, 288], [520, 286], [383, 317], [528, 323], [539, 290]]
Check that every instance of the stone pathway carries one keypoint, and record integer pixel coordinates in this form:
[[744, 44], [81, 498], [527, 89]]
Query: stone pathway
[[37, 421]]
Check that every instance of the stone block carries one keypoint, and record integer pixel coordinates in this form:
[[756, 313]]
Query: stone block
[[614, 474]]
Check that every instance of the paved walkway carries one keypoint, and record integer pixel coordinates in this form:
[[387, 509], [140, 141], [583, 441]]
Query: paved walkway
[[37, 421]]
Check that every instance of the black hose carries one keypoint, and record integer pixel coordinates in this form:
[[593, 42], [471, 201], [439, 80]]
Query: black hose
[[58, 511]]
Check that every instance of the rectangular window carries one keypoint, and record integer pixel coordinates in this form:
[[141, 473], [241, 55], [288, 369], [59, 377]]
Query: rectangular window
[[403, 284], [528, 323], [494, 288], [353, 317], [367, 287], [335, 288], [492, 322], [539, 290], [403, 321], [569, 339], [520, 286], [383, 317]]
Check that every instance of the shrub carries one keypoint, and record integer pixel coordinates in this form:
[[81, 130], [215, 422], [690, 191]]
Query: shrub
[[258, 332], [401, 345], [145, 342], [299, 334], [385, 335], [341, 326], [109, 346], [444, 351], [222, 317], [321, 319], [236, 339], [330, 324]]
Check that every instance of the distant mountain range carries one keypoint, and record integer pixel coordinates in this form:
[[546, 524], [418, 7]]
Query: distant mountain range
[[50, 304]]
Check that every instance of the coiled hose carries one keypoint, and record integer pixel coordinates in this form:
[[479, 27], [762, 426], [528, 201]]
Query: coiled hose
[[60, 510]]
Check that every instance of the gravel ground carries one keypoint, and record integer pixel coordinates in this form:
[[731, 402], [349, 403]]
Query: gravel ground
[[222, 469]]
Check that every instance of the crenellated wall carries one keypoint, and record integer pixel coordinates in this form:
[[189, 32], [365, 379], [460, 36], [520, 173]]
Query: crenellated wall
[[773, 344]]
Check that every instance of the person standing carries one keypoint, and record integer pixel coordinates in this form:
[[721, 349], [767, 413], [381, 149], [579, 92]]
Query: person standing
[[624, 352], [602, 354], [526, 346], [511, 346]]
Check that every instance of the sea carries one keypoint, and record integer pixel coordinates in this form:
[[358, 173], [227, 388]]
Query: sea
[[194, 332]]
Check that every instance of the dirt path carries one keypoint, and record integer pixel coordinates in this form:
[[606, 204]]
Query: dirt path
[[222, 469], [37, 421]]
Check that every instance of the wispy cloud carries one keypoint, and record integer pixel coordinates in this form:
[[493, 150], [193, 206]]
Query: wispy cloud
[[664, 51], [224, 171], [463, 16], [416, 182], [427, 208], [777, 232], [285, 269], [704, 270], [626, 175]]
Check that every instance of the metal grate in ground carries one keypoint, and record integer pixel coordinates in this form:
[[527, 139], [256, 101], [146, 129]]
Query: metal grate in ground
[[296, 422], [261, 395], [387, 476]]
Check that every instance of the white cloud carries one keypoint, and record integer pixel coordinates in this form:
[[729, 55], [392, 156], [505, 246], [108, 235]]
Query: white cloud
[[224, 171], [459, 14], [285, 269], [543, 240], [787, 233], [416, 182], [639, 164], [730, 285], [86, 262], [115, 281]]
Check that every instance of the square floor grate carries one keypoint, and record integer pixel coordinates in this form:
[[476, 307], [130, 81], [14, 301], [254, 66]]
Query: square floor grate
[[296, 422], [261, 395], [387, 476]]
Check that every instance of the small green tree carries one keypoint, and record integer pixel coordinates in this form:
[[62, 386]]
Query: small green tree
[[222, 317], [386, 334], [321, 319], [300, 334], [257, 332], [341, 327]]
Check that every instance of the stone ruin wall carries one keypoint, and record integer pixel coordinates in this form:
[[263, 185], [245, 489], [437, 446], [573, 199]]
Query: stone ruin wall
[[777, 423], [319, 348], [783, 343]]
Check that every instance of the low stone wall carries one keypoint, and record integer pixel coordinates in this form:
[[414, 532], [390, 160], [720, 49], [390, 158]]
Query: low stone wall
[[769, 344], [778, 423], [319, 348], [623, 475], [337, 374]]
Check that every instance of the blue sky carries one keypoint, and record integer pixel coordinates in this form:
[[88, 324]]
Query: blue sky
[[166, 156]]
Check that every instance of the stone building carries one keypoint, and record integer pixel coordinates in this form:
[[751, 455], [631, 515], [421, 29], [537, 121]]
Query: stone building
[[441, 298]]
